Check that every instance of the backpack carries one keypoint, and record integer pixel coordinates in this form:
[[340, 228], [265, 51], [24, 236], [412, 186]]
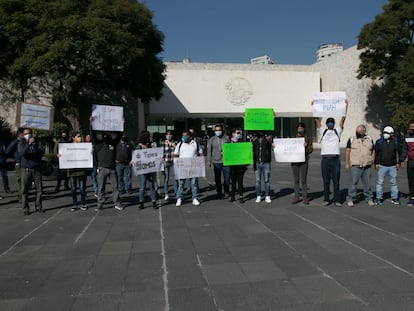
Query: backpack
[[324, 132]]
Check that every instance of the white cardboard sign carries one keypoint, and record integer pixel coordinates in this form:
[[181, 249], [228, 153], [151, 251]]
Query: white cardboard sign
[[189, 167], [75, 155], [147, 160], [291, 150], [107, 118], [329, 104]]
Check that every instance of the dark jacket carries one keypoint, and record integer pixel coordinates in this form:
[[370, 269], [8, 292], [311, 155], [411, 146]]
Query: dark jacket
[[388, 152], [31, 155], [12, 150], [409, 146], [105, 151], [262, 150], [124, 152]]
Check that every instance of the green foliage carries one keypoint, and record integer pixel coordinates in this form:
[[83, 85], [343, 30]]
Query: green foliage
[[5, 129], [402, 116], [57, 129], [388, 53]]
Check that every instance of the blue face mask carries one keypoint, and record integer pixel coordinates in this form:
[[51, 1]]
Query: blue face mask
[[184, 139], [330, 125], [238, 136]]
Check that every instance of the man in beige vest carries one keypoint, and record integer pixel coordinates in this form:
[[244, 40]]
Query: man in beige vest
[[359, 157]]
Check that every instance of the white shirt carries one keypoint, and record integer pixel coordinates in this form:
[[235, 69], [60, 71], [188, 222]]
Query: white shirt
[[187, 150], [330, 141]]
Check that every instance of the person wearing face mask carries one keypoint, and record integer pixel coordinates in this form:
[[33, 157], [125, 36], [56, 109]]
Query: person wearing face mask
[[359, 157], [262, 157], [409, 148], [123, 164], [62, 174], [330, 153], [31, 164], [300, 169], [187, 148], [237, 171], [169, 146], [215, 158], [388, 160]]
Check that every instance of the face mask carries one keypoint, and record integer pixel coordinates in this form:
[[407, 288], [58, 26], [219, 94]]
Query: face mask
[[386, 136], [168, 137], [330, 125], [27, 136], [218, 133], [184, 139], [78, 139], [238, 136], [359, 135], [301, 131]]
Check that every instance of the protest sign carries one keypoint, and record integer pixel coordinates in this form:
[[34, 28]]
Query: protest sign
[[189, 167], [34, 116], [291, 150], [237, 154], [259, 119], [107, 118], [75, 155], [329, 104], [147, 160]]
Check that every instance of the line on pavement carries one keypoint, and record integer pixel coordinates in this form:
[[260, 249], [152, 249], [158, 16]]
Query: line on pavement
[[30, 233], [164, 263], [85, 229]]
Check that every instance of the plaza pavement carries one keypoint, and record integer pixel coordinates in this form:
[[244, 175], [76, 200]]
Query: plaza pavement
[[217, 256]]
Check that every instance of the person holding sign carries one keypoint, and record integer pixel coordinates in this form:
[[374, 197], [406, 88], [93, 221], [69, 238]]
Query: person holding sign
[[168, 146], [237, 171], [187, 148], [330, 152], [300, 169], [262, 156], [215, 157], [123, 164]]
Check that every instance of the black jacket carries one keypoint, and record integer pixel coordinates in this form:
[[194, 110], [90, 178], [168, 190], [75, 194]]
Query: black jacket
[[31, 155], [124, 152], [262, 150]]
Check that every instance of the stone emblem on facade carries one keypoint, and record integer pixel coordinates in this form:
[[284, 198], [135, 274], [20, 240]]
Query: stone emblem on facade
[[238, 91]]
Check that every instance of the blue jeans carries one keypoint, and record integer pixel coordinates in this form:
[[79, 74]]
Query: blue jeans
[[194, 188], [357, 173], [82, 189], [151, 179], [391, 171], [123, 170], [94, 179], [218, 169], [331, 169], [262, 169], [169, 172]]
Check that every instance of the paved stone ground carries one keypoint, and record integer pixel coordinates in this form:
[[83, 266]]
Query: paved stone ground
[[218, 256]]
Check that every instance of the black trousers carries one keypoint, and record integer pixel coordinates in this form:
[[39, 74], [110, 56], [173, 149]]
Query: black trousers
[[237, 175], [28, 176], [410, 176]]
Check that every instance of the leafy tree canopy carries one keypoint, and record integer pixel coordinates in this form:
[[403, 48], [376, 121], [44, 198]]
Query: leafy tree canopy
[[84, 46]]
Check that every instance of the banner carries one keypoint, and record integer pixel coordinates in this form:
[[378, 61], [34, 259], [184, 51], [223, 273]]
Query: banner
[[107, 118], [189, 167], [147, 160], [75, 155], [237, 154], [329, 104], [291, 150], [259, 119], [34, 116]]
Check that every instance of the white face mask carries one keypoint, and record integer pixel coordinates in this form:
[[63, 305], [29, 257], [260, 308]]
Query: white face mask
[[168, 137], [27, 136], [386, 136], [218, 133]]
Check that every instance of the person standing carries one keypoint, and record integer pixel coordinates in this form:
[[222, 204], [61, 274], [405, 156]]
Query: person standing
[[169, 146], [62, 174], [330, 153], [359, 156], [237, 171], [388, 160], [409, 145], [12, 150], [123, 164], [94, 172], [300, 169], [187, 148], [3, 165], [215, 158], [262, 157], [31, 164]]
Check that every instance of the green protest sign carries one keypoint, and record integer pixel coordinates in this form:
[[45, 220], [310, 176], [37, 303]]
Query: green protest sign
[[259, 119], [237, 154]]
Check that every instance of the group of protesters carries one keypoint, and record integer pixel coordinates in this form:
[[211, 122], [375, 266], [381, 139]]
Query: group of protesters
[[112, 159]]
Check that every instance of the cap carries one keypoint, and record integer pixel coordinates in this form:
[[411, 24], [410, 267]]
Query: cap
[[388, 129], [330, 120]]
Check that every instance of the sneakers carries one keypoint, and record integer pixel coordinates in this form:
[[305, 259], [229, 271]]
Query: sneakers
[[378, 201], [305, 201], [371, 203], [98, 208], [84, 207], [350, 203], [74, 208], [338, 204], [141, 205], [154, 205], [258, 199], [119, 207], [196, 202], [411, 202], [325, 203], [241, 199], [395, 202], [295, 200], [267, 199], [178, 202], [166, 198]]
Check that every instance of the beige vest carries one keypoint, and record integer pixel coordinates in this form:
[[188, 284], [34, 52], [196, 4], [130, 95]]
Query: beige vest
[[361, 151]]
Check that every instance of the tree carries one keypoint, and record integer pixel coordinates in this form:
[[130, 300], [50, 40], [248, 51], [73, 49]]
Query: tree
[[87, 49], [388, 54]]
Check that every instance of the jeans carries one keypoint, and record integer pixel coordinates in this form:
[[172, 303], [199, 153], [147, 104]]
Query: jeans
[[194, 188], [5, 179], [357, 173], [331, 169], [102, 175], [391, 171], [123, 170], [300, 173], [218, 169], [259, 170], [82, 189], [28, 176], [143, 179], [410, 176], [95, 179], [169, 172]]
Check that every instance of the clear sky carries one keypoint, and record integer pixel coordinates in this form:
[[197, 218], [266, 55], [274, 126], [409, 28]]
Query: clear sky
[[234, 31]]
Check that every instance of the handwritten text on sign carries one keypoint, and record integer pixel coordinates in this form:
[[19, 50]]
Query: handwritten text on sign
[[107, 118], [75, 155], [35, 116], [259, 119], [237, 154], [189, 167], [291, 150], [148, 160], [329, 104]]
